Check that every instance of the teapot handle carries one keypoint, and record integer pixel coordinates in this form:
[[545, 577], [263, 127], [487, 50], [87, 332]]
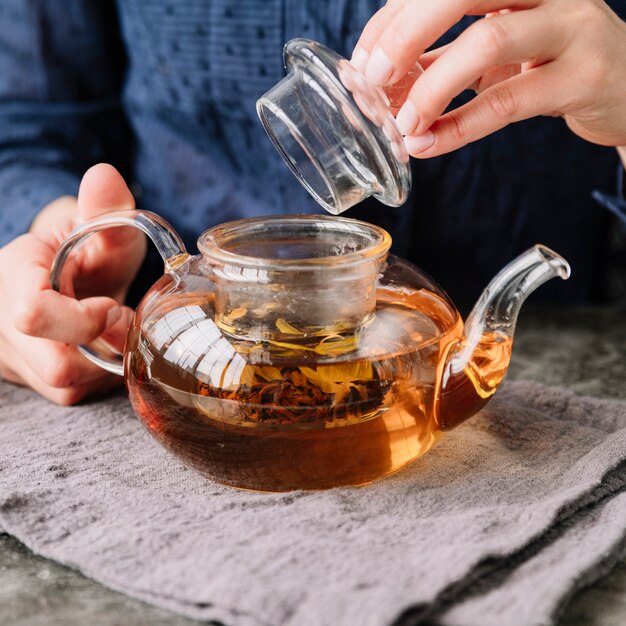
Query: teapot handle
[[164, 237]]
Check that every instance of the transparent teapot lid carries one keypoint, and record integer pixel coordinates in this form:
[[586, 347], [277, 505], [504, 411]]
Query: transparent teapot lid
[[335, 130]]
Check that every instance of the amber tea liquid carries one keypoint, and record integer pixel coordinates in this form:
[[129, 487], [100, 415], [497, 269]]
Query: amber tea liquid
[[293, 414]]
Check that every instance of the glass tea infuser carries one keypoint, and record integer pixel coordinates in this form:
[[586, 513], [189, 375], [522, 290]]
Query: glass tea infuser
[[294, 352]]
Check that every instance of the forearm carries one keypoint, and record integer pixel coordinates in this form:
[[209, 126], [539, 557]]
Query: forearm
[[621, 150]]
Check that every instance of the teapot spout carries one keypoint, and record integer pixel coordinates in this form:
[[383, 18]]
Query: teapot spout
[[476, 365]]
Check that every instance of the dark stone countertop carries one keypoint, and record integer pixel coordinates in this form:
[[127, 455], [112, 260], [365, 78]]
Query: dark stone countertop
[[583, 349]]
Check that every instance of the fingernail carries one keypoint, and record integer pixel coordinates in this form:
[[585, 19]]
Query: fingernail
[[418, 143], [408, 118], [379, 67], [114, 315], [359, 58]]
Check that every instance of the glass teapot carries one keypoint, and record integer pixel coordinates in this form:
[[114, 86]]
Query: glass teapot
[[294, 352]]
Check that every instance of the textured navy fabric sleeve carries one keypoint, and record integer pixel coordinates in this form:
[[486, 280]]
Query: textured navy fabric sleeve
[[61, 69]]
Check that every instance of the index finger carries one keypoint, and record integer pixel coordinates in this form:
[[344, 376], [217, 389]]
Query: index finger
[[373, 30], [418, 25], [35, 309]]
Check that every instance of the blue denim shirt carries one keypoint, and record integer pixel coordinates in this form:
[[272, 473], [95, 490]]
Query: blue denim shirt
[[166, 90]]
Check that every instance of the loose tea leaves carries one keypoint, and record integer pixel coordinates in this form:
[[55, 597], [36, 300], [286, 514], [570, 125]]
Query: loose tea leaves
[[289, 395], [287, 328], [328, 341], [328, 393]]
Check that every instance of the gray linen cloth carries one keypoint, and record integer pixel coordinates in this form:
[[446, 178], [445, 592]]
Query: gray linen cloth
[[499, 524]]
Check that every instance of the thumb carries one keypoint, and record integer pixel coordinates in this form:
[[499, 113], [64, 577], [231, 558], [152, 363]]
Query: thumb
[[102, 191]]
